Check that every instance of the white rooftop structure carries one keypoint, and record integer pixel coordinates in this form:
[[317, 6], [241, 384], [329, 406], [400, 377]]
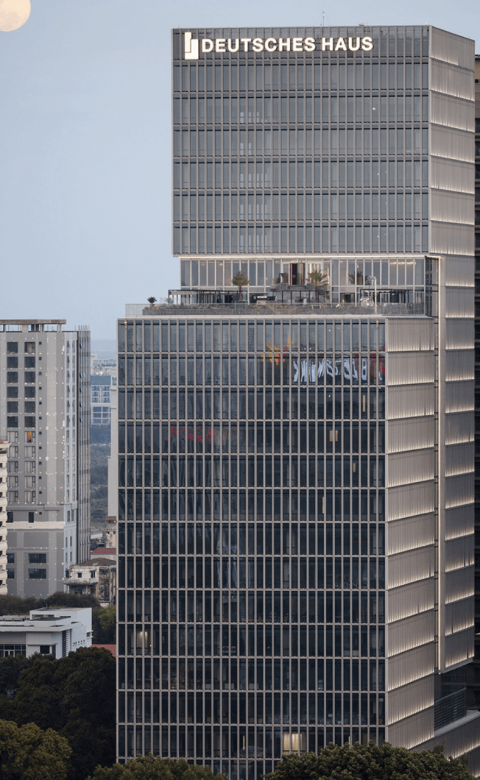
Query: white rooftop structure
[[47, 631]]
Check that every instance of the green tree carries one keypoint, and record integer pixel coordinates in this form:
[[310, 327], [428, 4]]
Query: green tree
[[318, 279], [104, 624], [240, 280], [150, 768], [371, 762], [28, 753], [14, 605], [73, 695], [151, 301]]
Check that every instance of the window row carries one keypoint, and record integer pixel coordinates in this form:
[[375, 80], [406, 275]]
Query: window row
[[268, 572], [332, 641], [28, 391], [28, 377], [298, 75], [300, 109], [243, 438], [278, 365], [29, 361], [300, 206], [235, 707], [191, 741], [28, 422], [12, 407], [300, 238], [259, 539], [296, 142], [12, 347], [245, 335], [340, 404], [253, 504], [297, 174], [341, 471]]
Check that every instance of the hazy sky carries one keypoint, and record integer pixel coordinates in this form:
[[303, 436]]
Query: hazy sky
[[85, 142]]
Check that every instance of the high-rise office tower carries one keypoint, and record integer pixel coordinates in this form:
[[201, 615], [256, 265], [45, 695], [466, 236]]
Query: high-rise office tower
[[45, 415], [475, 676], [296, 460], [4, 454]]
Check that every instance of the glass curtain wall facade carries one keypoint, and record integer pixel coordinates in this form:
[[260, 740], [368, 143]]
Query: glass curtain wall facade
[[259, 480], [296, 465]]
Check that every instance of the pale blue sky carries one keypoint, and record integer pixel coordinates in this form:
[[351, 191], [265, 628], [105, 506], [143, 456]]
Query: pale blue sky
[[85, 142]]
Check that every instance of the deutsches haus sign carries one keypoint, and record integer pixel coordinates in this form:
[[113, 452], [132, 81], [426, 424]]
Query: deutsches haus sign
[[193, 46]]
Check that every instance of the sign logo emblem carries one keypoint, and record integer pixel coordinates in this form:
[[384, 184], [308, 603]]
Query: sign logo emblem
[[191, 47]]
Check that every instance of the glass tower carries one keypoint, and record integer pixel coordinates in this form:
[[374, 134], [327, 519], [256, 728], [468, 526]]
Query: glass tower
[[296, 458]]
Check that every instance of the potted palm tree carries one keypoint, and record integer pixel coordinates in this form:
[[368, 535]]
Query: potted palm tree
[[318, 279], [152, 301], [240, 280]]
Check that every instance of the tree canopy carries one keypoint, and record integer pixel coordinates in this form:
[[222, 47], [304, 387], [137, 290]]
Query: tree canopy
[[15, 605], [150, 768], [104, 625], [371, 762], [28, 753], [73, 695]]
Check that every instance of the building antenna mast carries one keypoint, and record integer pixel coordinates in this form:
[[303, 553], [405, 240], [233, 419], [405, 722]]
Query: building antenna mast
[[323, 14]]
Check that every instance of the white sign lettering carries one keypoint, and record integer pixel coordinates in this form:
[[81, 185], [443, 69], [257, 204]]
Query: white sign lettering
[[310, 372], [233, 45]]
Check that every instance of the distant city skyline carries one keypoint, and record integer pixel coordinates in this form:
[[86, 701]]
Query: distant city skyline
[[85, 133]]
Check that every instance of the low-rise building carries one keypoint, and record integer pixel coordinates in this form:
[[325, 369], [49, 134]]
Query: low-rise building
[[47, 631], [96, 577], [105, 552]]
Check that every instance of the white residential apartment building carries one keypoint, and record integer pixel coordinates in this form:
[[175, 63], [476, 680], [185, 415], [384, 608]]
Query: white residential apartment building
[[45, 416]]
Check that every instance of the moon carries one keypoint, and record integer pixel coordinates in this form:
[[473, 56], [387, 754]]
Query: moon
[[13, 13]]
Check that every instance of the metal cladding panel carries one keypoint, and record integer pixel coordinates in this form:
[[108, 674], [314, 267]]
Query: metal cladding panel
[[410, 699], [459, 648], [461, 302], [410, 368], [459, 552], [408, 635], [459, 428], [459, 585], [452, 112], [407, 468], [410, 336], [448, 80], [411, 533], [414, 599], [411, 501], [460, 274], [459, 396], [459, 458], [409, 402], [445, 208], [459, 521], [448, 238], [459, 333], [459, 365], [459, 490], [459, 616], [452, 175], [411, 566], [450, 48], [406, 435], [417, 663], [407, 733]]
